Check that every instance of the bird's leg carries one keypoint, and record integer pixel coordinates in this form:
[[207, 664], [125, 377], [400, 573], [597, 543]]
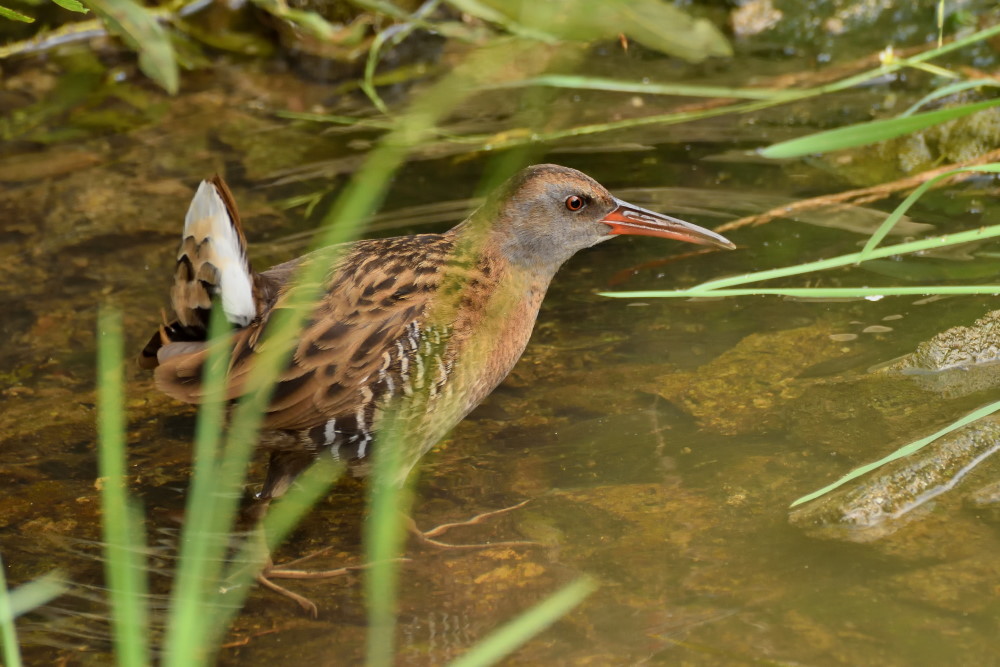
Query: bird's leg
[[270, 572], [428, 537], [307, 605], [283, 467], [256, 543]]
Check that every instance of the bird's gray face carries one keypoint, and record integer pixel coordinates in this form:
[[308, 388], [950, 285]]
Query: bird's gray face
[[552, 212]]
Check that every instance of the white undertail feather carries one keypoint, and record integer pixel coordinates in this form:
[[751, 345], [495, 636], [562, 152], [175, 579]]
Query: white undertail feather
[[207, 218]]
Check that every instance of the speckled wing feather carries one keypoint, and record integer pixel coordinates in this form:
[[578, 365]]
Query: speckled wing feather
[[363, 328], [358, 340]]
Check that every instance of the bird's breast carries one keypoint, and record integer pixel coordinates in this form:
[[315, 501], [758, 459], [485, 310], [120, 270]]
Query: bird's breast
[[491, 335]]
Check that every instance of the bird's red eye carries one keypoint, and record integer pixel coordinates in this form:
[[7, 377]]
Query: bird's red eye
[[575, 203]]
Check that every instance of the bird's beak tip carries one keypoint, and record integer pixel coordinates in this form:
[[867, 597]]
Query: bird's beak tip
[[629, 219]]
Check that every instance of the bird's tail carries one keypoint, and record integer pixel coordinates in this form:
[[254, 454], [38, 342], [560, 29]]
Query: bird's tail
[[212, 262], [212, 268]]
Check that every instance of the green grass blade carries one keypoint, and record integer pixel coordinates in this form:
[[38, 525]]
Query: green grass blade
[[484, 11], [579, 82], [8, 631], [392, 36], [890, 222], [502, 642], [72, 5], [281, 518], [124, 561], [23, 599], [368, 79], [812, 292], [309, 488], [713, 287], [141, 30], [901, 452], [19, 601], [205, 536], [870, 132], [7, 13], [309, 22], [950, 89], [388, 502], [31, 595]]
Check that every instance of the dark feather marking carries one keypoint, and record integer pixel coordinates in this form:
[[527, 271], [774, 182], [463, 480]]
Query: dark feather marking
[[314, 350], [369, 344], [403, 292], [288, 387], [375, 338], [208, 272], [335, 331], [192, 378], [188, 269], [242, 355]]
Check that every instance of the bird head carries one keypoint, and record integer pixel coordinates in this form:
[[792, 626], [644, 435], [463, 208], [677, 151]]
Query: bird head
[[546, 213]]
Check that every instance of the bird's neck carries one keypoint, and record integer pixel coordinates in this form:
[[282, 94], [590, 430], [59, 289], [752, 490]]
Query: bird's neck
[[497, 240], [493, 302]]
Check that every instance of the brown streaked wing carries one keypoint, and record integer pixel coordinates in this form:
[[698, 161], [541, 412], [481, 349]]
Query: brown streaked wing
[[381, 286]]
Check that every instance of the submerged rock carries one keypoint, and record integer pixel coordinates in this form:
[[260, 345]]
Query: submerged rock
[[956, 362], [913, 392], [959, 140], [985, 501], [738, 391], [780, 382], [881, 502], [958, 347]]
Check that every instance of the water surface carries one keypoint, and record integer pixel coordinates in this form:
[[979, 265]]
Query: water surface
[[680, 515]]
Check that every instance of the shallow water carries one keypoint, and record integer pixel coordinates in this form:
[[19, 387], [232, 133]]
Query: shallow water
[[680, 514]]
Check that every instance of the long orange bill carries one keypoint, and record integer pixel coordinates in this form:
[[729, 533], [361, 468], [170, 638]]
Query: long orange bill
[[629, 219]]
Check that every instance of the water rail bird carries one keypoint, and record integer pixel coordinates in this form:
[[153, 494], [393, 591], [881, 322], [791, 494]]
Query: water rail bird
[[441, 316]]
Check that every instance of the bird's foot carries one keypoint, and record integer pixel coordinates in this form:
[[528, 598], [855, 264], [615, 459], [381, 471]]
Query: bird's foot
[[428, 537], [285, 572], [307, 605]]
